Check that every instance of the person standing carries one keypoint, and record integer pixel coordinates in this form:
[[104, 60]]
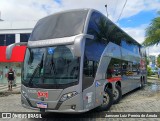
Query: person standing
[[11, 77], [159, 72]]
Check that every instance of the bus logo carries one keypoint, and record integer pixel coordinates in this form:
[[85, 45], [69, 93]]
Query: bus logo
[[42, 94]]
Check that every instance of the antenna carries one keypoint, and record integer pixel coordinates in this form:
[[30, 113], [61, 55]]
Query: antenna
[[106, 10]]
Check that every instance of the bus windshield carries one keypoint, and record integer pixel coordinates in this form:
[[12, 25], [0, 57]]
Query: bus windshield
[[50, 67], [59, 25]]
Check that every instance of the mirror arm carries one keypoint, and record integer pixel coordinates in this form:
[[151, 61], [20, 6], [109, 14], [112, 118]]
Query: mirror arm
[[79, 43], [10, 48]]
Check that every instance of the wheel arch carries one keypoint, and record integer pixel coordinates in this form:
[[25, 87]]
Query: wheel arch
[[108, 85], [118, 83]]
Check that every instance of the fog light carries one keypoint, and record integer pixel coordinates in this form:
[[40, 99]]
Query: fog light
[[73, 107]]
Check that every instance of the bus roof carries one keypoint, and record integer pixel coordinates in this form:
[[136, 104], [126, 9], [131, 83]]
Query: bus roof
[[62, 24]]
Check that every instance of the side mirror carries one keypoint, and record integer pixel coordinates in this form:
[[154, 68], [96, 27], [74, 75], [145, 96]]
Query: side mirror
[[10, 48], [79, 43]]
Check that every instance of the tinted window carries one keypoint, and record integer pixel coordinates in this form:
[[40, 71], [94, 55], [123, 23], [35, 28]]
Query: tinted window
[[50, 67], [116, 35], [103, 29], [90, 68], [98, 27], [130, 68], [60, 25], [61, 64], [93, 50], [89, 72], [131, 46], [114, 68]]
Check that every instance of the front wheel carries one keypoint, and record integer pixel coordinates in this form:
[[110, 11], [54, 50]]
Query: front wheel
[[107, 100], [117, 94]]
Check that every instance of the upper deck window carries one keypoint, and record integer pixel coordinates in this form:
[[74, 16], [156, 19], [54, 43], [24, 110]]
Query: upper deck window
[[60, 25]]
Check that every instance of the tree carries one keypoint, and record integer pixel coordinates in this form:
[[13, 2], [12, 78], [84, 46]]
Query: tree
[[158, 61], [147, 60], [149, 72], [152, 36]]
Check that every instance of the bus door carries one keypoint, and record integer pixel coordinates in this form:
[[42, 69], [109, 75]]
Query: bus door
[[88, 84]]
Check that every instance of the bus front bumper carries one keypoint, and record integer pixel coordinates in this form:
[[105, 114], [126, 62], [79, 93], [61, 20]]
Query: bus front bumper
[[68, 111], [64, 107]]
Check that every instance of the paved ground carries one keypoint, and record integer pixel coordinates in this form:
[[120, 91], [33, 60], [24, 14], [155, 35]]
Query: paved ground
[[4, 88], [145, 100]]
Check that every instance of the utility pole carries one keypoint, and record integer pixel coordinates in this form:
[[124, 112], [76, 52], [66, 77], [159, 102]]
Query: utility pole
[[106, 10]]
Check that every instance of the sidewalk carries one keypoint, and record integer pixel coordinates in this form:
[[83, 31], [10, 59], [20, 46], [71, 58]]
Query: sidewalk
[[4, 88], [153, 77]]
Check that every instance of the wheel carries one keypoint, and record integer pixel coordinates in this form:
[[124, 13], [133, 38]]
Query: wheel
[[107, 100], [117, 94]]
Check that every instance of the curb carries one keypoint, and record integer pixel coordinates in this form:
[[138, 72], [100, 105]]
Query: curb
[[7, 93], [153, 78], [5, 89]]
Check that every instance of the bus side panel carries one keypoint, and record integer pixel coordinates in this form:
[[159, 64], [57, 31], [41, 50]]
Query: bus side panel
[[101, 79], [89, 97], [99, 87], [130, 74]]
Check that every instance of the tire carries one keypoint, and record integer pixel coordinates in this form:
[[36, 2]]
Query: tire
[[107, 103], [117, 94]]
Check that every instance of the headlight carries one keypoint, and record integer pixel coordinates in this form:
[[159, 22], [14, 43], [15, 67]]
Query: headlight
[[67, 96], [24, 93]]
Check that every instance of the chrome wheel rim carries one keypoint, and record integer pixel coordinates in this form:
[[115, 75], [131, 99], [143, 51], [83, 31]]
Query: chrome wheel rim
[[105, 98], [115, 94]]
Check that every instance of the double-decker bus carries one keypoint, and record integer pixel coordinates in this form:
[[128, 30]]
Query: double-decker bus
[[78, 60]]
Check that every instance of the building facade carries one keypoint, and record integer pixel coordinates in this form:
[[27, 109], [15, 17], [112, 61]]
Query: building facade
[[13, 32]]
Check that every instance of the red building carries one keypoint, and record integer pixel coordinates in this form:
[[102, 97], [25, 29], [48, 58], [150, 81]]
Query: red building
[[13, 32]]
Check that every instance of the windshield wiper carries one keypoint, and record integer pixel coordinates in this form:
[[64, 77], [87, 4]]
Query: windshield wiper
[[39, 66]]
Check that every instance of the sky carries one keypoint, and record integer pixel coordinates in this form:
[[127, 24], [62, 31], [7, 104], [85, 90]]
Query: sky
[[135, 18]]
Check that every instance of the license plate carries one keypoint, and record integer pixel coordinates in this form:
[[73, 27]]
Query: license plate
[[41, 105]]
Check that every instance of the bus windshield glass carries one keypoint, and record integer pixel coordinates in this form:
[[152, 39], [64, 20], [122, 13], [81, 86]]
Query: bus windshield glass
[[50, 67], [59, 25]]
